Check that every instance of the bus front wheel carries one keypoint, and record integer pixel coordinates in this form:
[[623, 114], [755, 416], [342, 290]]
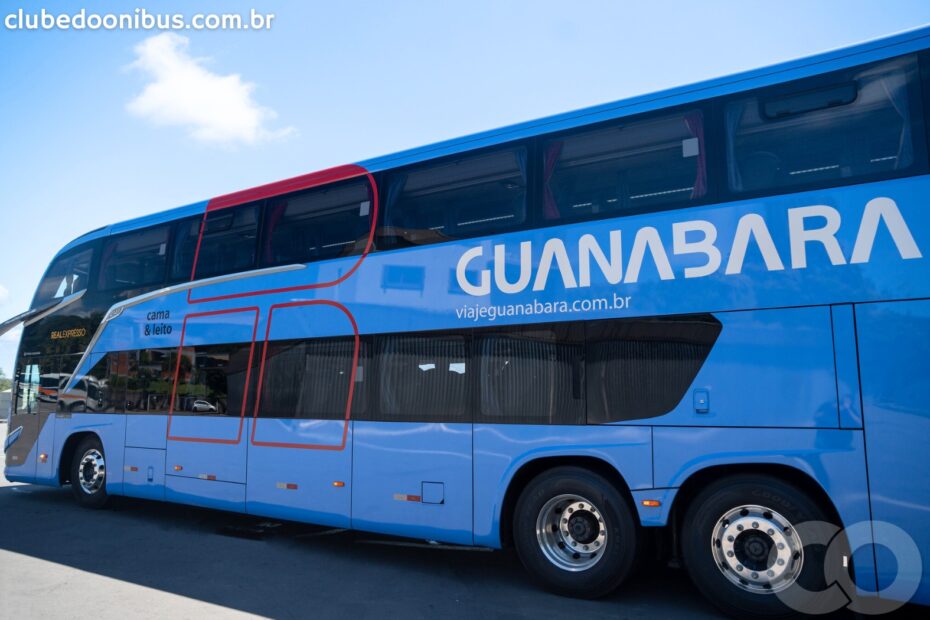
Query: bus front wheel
[[89, 473], [575, 533]]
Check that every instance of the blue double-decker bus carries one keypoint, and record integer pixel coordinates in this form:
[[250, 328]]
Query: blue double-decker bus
[[695, 322]]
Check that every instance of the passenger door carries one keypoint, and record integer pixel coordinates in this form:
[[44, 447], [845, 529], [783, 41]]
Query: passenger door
[[412, 452], [23, 430]]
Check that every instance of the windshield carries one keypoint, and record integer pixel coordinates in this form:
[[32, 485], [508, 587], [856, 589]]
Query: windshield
[[69, 274]]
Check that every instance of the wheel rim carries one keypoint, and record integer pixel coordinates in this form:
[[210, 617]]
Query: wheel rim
[[92, 471], [757, 549], [571, 532]]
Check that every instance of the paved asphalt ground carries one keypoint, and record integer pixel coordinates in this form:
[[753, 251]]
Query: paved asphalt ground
[[147, 559]]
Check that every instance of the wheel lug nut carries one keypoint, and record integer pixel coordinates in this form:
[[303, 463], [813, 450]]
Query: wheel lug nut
[[586, 547], [781, 546], [755, 525], [730, 539], [770, 573], [755, 575], [770, 532], [570, 510], [729, 554], [780, 562], [739, 528], [739, 567]]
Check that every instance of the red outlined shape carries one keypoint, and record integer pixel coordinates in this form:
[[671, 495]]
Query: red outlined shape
[[248, 373], [261, 376], [307, 181]]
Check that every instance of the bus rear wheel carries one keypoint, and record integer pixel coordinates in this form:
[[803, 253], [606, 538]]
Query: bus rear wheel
[[747, 543], [89, 473], [575, 533]]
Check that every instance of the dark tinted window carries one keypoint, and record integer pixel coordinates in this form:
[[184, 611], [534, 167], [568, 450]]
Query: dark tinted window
[[103, 389], [641, 368], [422, 378], [229, 241], [212, 380], [186, 233], [628, 167], [533, 375], [68, 274], [37, 384], [310, 379], [149, 379], [134, 260], [468, 197], [846, 125], [322, 223]]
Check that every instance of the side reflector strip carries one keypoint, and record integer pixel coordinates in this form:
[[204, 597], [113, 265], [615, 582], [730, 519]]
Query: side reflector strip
[[206, 476], [288, 486], [130, 468], [651, 503], [401, 497]]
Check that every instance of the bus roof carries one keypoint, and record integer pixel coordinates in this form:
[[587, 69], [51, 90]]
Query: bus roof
[[877, 49]]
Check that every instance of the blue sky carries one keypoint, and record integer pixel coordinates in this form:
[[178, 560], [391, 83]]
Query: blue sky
[[108, 125]]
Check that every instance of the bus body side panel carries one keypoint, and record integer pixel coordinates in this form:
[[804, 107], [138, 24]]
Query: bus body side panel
[[146, 430], [109, 427], [767, 368], [295, 469], [834, 458], [413, 479], [894, 347], [502, 449]]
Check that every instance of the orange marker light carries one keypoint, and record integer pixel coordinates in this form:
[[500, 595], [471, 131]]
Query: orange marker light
[[338, 483], [178, 468], [651, 503], [43, 458]]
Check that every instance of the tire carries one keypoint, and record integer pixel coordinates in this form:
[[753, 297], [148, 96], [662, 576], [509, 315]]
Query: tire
[[594, 502], [88, 473], [742, 576]]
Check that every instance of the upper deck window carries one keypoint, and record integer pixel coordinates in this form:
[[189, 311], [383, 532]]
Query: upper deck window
[[468, 197], [624, 168], [134, 260], [229, 242], [68, 274], [322, 223], [844, 126]]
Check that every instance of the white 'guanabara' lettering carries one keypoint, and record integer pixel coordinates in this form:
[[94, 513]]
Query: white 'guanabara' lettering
[[554, 248], [648, 237], [612, 267], [526, 268], [752, 226], [883, 209], [705, 246], [810, 229], [801, 235], [484, 285]]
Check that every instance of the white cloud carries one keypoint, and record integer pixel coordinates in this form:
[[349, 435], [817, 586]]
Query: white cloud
[[215, 108]]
